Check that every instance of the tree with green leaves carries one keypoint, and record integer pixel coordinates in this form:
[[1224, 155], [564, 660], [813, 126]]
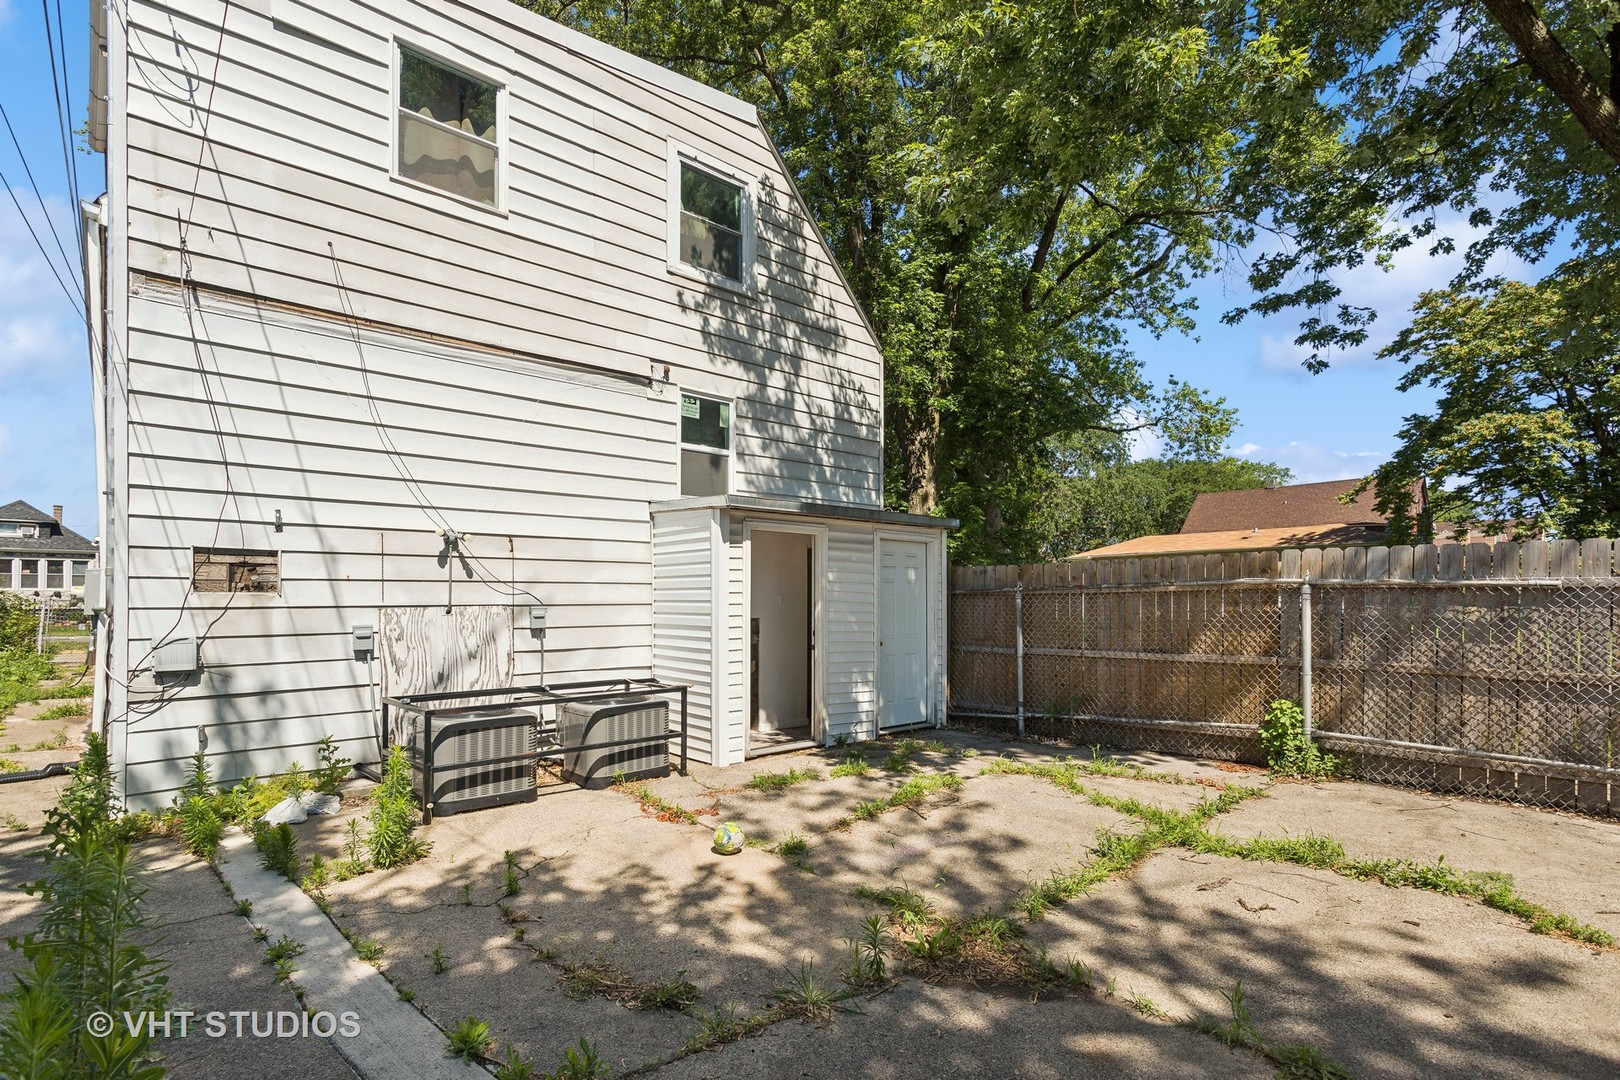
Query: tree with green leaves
[[1527, 426], [1009, 188]]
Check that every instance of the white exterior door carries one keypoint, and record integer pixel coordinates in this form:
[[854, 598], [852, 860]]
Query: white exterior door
[[902, 633]]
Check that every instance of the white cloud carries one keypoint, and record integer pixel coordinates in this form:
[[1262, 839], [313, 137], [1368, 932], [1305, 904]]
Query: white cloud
[[41, 334], [1390, 292], [5, 12], [1312, 463]]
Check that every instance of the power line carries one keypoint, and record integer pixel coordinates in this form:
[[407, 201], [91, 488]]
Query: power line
[[59, 90], [38, 244], [55, 235], [67, 94]]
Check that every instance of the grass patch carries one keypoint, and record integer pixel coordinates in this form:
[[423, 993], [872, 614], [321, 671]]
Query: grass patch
[[780, 781], [65, 710], [854, 764]]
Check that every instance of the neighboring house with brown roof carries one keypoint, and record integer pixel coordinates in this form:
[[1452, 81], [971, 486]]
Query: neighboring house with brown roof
[[1295, 505], [1266, 519], [40, 555]]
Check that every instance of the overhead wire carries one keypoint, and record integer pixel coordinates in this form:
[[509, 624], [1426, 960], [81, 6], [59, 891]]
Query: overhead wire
[[45, 213], [59, 91], [38, 243]]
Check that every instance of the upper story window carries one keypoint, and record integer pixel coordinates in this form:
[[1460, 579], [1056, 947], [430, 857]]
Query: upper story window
[[12, 528], [448, 134], [705, 446], [711, 227]]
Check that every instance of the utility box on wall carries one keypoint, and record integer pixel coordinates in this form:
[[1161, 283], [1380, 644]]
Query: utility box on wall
[[602, 738]]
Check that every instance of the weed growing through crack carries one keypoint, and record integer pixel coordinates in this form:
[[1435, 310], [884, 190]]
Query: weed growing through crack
[[470, 1038], [796, 850], [368, 949], [278, 848], [867, 954], [284, 948], [722, 1025], [652, 803], [510, 885], [244, 908], [803, 998], [513, 1066], [438, 959], [781, 781], [1146, 1006], [466, 894], [1292, 1060], [580, 1064]]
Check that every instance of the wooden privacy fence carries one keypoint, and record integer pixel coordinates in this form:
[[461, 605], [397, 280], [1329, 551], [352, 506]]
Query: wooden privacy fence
[[1484, 668]]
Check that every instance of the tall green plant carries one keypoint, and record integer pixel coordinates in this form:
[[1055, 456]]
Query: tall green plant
[[393, 815], [87, 955]]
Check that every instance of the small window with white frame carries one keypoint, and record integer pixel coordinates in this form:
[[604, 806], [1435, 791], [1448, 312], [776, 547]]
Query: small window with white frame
[[447, 129], [705, 446], [711, 221]]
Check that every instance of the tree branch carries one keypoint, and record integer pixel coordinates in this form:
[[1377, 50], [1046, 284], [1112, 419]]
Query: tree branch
[[1042, 250], [1596, 111]]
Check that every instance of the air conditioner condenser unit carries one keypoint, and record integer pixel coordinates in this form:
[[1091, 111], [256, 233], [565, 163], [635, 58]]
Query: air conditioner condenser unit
[[478, 761], [601, 739]]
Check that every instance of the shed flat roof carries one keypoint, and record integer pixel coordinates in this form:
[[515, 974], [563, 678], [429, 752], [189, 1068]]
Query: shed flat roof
[[804, 508]]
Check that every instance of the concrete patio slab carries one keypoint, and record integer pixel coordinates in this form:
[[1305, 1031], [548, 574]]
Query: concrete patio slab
[[1564, 862], [921, 1031], [1390, 982]]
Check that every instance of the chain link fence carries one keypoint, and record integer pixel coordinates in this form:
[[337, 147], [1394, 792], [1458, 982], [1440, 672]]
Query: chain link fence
[[1500, 688]]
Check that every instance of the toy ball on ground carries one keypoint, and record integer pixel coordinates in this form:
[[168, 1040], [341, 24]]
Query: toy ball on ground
[[728, 839]]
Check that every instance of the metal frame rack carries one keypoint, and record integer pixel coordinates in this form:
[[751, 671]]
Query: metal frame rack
[[475, 704]]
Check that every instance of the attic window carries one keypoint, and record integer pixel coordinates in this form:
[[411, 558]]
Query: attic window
[[711, 221], [448, 134], [226, 570]]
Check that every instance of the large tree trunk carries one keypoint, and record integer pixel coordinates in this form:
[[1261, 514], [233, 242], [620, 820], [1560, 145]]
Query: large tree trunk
[[1594, 109], [921, 448]]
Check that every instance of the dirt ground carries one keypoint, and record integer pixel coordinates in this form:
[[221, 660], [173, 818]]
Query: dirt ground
[[552, 921]]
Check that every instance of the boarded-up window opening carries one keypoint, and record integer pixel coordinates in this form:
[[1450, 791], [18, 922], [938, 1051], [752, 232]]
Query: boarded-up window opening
[[224, 570]]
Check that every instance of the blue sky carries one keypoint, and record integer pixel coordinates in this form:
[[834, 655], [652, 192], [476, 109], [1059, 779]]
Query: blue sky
[[1338, 424]]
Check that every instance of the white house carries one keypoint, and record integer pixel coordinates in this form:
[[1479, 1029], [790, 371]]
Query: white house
[[420, 314]]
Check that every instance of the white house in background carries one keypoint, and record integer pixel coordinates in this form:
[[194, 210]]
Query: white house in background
[[378, 272], [39, 556]]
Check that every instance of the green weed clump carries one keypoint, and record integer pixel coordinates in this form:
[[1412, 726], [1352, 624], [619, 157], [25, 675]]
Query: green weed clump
[[394, 815], [780, 781], [1289, 752], [854, 764]]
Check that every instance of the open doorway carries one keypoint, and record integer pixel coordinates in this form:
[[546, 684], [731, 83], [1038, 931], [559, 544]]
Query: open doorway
[[782, 640]]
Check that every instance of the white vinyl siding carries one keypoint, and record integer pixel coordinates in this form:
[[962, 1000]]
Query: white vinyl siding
[[300, 158], [683, 616], [550, 471]]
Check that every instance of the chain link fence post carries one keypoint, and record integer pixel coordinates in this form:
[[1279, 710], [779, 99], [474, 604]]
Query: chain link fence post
[[1305, 651], [1018, 647]]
